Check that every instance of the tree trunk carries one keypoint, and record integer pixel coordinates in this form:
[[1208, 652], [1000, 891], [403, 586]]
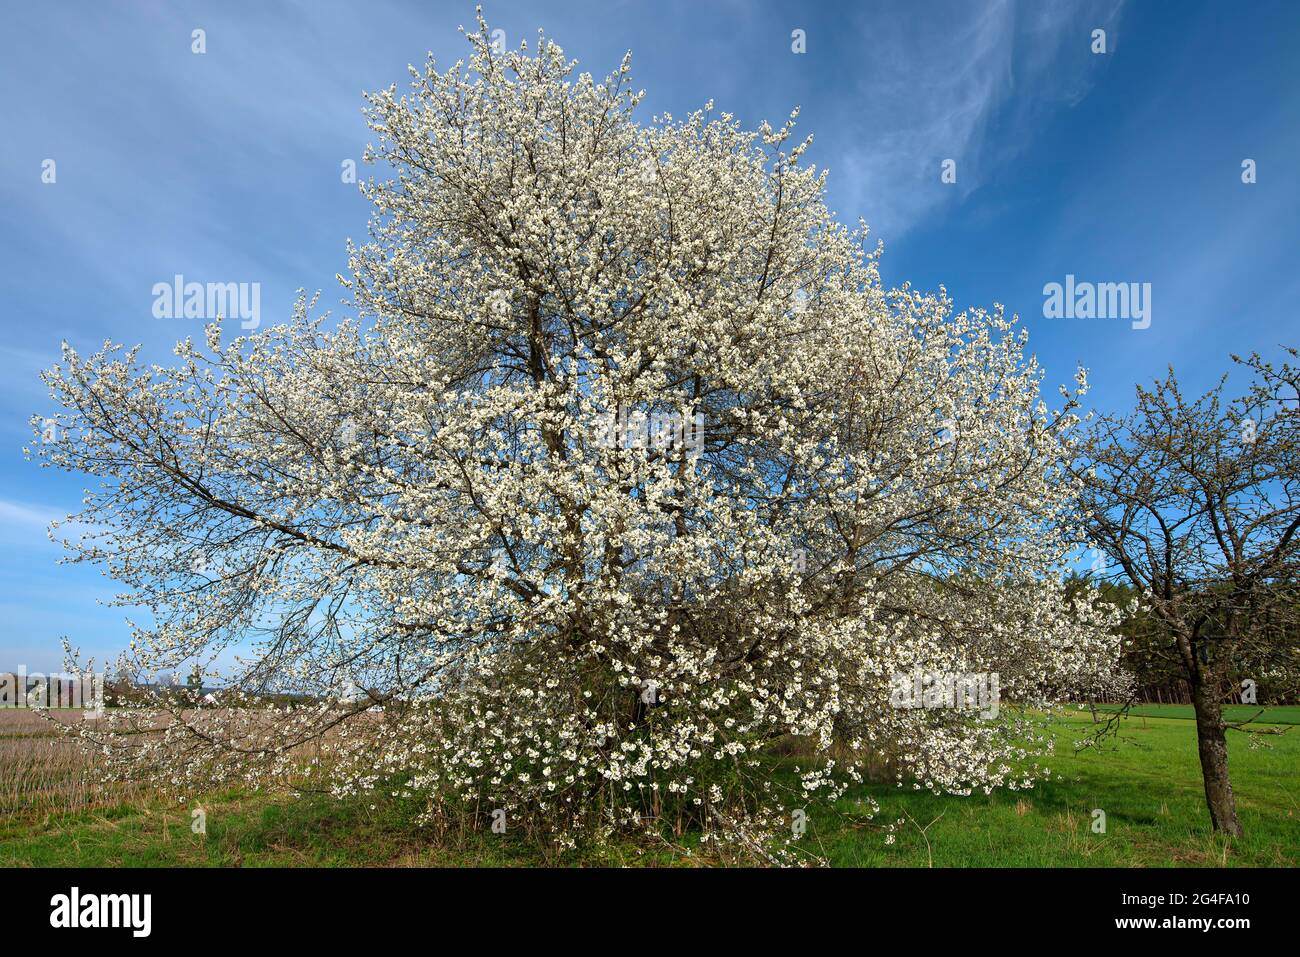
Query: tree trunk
[[1213, 746]]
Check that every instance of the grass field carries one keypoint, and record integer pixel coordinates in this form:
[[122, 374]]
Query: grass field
[[1147, 782], [1232, 713]]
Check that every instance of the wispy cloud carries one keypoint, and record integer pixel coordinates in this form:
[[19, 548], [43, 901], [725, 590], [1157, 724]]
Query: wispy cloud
[[25, 527], [968, 83], [21, 516]]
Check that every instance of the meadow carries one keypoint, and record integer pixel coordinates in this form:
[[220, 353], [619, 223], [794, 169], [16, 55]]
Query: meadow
[[1146, 780]]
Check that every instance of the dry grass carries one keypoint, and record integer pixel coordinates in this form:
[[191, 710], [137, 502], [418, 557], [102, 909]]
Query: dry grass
[[876, 767], [45, 772]]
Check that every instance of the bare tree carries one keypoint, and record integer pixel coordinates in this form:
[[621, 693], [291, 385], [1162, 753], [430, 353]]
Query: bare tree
[[1195, 504]]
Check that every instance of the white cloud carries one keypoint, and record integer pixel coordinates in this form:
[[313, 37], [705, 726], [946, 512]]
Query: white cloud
[[26, 526], [968, 85], [17, 515]]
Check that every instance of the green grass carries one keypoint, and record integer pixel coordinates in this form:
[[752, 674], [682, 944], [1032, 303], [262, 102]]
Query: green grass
[[275, 831], [1147, 782], [1273, 714]]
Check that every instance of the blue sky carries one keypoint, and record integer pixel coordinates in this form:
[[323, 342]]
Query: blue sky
[[225, 166]]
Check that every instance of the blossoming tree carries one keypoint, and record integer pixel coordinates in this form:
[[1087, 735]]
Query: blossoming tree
[[628, 467]]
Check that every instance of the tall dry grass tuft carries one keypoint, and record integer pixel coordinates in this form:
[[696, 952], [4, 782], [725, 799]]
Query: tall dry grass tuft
[[45, 772]]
